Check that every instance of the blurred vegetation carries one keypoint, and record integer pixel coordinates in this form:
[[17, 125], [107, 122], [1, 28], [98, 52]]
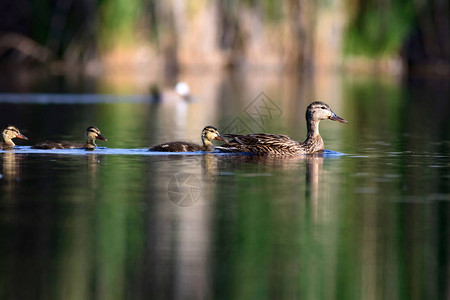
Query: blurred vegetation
[[118, 20], [418, 31], [377, 28], [283, 33]]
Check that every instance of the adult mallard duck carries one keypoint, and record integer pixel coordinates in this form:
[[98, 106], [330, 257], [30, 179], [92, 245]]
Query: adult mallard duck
[[9, 133], [282, 145], [92, 133], [209, 133]]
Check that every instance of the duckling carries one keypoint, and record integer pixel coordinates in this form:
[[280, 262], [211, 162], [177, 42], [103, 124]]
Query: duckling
[[264, 144], [92, 133], [9, 133], [209, 133]]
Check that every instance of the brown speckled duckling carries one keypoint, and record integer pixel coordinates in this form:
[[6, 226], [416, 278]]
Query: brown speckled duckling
[[282, 145], [209, 133], [92, 133], [9, 133]]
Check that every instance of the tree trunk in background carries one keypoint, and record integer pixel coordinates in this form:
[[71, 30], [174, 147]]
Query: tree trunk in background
[[301, 15], [240, 25], [170, 35], [230, 39], [427, 47], [215, 34], [82, 48]]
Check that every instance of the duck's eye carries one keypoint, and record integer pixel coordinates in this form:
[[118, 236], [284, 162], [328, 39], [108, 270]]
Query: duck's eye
[[323, 107]]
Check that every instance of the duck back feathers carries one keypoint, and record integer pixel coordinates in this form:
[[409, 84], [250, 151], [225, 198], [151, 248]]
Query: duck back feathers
[[179, 147], [262, 144]]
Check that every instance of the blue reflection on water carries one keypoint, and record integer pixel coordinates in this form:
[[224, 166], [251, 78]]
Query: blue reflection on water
[[72, 98], [142, 151]]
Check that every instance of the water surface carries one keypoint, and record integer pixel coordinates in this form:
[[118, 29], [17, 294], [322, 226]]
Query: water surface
[[368, 221]]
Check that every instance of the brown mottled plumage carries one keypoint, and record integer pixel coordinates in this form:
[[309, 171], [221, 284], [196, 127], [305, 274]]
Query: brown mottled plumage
[[92, 133], [9, 133], [209, 133], [282, 145]]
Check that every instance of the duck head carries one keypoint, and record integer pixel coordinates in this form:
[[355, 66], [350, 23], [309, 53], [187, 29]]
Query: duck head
[[210, 133], [317, 111], [92, 134], [12, 132]]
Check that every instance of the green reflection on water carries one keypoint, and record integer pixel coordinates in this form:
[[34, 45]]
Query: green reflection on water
[[368, 225]]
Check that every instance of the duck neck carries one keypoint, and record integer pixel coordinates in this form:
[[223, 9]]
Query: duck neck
[[8, 141], [313, 138], [206, 142], [90, 143], [313, 129]]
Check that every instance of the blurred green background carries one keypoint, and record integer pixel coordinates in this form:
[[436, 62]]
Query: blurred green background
[[148, 36]]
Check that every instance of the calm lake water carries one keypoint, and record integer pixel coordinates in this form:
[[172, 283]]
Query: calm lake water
[[367, 220]]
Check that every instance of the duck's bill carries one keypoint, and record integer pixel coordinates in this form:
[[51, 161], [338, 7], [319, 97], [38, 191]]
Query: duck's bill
[[101, 137], [220, 138], [21, 136], [335, 117]]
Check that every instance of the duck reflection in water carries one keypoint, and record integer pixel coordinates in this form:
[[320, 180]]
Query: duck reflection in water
[[316, 181], [92, 169], [11, 172]]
